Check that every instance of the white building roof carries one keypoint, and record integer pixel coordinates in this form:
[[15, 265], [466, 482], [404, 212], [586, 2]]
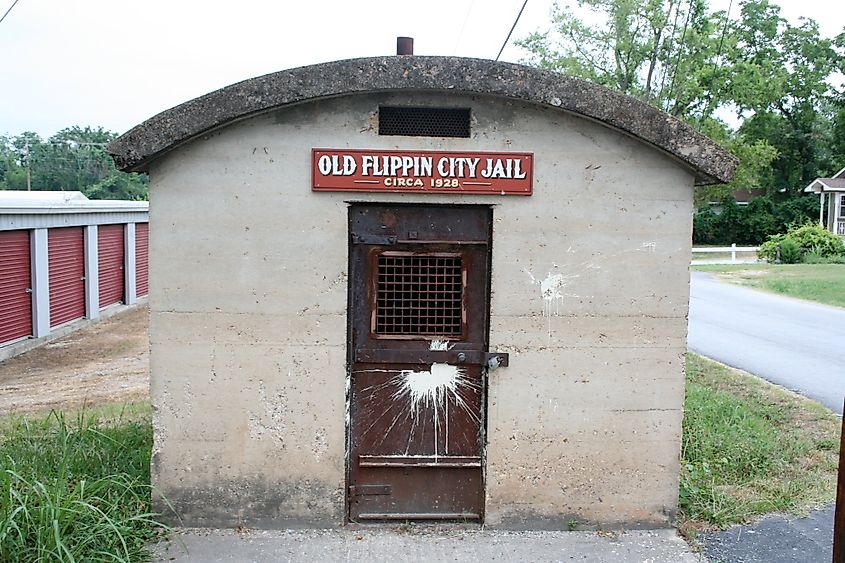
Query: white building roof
[[40, 202], [824, 185]]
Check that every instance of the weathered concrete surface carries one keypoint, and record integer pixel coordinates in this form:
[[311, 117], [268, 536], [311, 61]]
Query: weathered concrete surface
[[248, 318], [136, 149], [413, 544]]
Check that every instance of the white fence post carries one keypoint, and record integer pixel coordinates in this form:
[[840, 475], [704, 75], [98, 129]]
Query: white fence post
[[733, 249]]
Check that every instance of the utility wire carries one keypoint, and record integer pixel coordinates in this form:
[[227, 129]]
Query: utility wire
[[678, 58], [9, 10], [508, 38], [463, 27], [707, 109]]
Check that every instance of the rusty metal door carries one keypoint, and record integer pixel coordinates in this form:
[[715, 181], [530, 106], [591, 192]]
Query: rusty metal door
[[418, 310]]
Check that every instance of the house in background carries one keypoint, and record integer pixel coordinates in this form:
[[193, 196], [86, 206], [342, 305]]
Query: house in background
[[832, 198]]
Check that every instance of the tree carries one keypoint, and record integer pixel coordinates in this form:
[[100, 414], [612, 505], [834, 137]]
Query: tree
[[680, 57], [781, 76], [656, 50], [74, 159], [838, 141]]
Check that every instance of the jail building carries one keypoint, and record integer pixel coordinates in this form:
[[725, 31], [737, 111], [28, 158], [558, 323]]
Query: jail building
[[419, 289]]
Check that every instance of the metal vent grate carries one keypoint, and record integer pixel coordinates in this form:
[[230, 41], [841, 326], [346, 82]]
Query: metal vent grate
[[419, 295], [423, 122]]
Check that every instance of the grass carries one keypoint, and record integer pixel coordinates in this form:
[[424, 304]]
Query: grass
[[750, 448], [76, 486], [823, 283], [77, 489]]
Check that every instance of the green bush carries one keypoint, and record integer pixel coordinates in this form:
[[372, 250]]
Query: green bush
[[790, 252], [810, 238], [813, 237]]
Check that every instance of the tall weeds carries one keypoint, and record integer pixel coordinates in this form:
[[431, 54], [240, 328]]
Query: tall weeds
[[76, 491]]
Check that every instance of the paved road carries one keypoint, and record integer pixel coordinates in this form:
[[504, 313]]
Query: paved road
[[793, 343], [775, 539]]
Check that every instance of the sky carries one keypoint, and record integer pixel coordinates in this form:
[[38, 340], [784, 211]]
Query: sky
[[115, 63]]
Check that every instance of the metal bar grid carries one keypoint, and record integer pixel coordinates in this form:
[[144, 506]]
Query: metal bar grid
[[424, 121], [419, 295]]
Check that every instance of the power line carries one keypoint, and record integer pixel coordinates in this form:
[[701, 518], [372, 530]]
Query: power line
[[463, 26], [707, 110], [9, 10], [678, 58], [508, 38]]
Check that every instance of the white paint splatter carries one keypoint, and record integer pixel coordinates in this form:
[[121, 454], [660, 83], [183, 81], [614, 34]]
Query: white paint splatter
[[550, 288], [430, 389], [440, 345]]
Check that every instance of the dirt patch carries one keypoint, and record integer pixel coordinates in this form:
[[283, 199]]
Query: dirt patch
[[106, 362]]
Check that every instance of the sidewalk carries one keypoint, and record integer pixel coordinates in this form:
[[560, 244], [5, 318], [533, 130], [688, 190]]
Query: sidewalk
[[413, 543]]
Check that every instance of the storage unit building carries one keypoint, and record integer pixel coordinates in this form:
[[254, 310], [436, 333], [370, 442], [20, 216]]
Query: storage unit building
[[419, 288], [63, 258]]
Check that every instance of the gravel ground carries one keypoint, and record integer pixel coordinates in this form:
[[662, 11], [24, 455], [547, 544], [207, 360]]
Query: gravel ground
[[105, 362]]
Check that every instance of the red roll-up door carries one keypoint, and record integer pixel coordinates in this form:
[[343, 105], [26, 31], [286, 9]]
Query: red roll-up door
[[142, 253], [110, 250], [15, 286], [66, 257]]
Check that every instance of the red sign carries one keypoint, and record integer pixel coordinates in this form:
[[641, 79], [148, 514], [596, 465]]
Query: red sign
[[344, 170]]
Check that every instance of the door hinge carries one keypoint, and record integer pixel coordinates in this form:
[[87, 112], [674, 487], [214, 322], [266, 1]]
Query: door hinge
[[362, 490], [379, 240]]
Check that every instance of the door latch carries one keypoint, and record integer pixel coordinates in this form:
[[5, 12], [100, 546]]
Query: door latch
[[495, 361]]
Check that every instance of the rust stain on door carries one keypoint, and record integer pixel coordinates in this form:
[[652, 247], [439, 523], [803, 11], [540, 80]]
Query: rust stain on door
[[419, 301]]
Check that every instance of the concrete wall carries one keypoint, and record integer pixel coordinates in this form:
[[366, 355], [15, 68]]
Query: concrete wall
[[248, 319]]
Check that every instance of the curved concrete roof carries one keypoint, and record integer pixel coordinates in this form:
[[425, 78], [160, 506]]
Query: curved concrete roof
[[155, 137]]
